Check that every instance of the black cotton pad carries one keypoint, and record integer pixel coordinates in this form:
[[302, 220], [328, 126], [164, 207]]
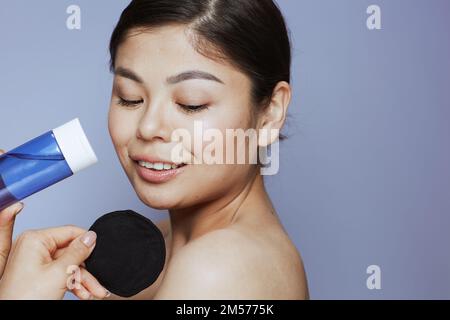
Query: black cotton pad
[[129, 254]]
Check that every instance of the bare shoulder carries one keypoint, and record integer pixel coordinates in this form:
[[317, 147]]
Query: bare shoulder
[[234, 264]]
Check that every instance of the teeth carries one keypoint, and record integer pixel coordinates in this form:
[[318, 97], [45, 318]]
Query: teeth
[[158, 166]]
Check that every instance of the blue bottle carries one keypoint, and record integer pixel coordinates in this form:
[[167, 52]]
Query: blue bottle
[[44, 161]]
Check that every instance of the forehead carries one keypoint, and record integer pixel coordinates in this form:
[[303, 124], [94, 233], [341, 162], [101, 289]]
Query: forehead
[[168, 50]]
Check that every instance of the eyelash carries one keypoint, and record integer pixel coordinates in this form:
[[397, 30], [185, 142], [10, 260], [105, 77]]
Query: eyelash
[[129, 103], [187, 108], [193, 109]]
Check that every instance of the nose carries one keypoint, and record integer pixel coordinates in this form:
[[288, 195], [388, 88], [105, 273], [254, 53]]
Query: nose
[[154, 124]]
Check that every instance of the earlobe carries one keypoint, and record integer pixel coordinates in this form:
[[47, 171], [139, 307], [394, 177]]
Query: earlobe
[[268, 136], [275, 116]]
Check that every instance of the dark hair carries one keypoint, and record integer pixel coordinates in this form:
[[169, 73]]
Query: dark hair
[[250, 34]]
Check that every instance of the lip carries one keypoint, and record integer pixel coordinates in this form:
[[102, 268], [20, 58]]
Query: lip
[[157, 177], [151, 159]]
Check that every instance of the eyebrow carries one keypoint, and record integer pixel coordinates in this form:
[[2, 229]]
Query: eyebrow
[[191, 75], [188, 75], [128, 74]]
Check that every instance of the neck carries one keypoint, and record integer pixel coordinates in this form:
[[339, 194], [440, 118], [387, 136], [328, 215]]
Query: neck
[[190, 223]]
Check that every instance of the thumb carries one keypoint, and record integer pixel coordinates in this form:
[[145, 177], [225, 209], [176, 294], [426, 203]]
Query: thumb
[[7, 218], [78, 250]]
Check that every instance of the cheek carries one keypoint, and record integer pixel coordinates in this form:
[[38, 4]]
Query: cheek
[[230, 120], [120, 127]]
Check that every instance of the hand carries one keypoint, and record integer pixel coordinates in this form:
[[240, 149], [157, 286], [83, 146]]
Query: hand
[[14, 285], [41, 262], [7, 218]]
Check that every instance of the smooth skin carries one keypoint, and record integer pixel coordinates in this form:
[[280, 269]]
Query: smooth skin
[[224, 239]]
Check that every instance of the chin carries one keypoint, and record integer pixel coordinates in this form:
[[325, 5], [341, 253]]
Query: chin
[[158, 200]]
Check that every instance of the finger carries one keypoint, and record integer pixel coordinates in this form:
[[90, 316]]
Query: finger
[[7, 218], [8, 215], [78, 250], [59, 252], [82, 293], [62, 236], [91, 284]]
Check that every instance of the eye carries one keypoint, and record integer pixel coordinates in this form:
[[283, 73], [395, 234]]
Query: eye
[[192, 108], [129, 103]]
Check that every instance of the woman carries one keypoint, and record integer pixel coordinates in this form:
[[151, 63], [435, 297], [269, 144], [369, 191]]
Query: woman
[[226, 65]]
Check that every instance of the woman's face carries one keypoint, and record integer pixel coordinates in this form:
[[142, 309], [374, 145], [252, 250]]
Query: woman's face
[[150, 100]]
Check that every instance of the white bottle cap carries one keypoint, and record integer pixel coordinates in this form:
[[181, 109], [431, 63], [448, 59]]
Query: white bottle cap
[[75, 146]]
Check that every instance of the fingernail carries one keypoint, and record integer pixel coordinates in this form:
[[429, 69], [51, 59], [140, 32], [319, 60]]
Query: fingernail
[[89, 238], [19, 208]]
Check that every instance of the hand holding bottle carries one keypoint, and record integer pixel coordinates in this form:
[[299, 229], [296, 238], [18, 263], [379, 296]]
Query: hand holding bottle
[[7, 218]]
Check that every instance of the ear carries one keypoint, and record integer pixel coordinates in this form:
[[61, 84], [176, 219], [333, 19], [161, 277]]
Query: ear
[[272, 120]]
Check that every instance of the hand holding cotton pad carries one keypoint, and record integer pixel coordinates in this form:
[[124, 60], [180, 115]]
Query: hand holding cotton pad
[[129, 254]]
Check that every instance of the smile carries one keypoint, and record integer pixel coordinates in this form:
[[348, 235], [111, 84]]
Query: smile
[[159, 166], [158, 172]]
